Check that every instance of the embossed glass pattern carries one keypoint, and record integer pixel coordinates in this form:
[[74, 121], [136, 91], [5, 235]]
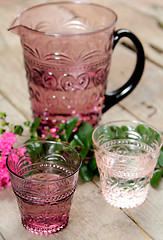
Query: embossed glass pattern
[[126, 154], [67, 51], [44, 177]]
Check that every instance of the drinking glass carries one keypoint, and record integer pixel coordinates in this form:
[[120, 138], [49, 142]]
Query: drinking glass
[[126, 153], [44, 176], [67, 48]]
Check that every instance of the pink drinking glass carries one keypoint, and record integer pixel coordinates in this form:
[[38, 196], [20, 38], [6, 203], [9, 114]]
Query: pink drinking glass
[[44, 176], [67, 50], [126, 154]]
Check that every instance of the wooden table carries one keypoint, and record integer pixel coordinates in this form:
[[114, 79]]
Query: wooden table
[[91, 217]]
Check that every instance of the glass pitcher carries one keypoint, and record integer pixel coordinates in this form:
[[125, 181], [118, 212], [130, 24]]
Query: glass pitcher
[[67, 53]]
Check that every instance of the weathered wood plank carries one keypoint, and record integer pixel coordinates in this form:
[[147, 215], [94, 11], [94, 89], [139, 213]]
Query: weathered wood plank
[[90, 217], [86, 213], [146, 101], [14, 117], [147, 7], [12, 114], [13, 84], [94, 219], [148, 216], [130, 17]]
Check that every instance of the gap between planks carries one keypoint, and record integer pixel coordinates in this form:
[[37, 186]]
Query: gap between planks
[[136, 222], [1, 236]]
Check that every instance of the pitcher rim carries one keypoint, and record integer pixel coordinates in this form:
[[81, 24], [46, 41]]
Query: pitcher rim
[[66, 34]]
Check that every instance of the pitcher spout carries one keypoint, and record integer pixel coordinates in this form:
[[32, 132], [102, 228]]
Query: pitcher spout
[[15, 26]]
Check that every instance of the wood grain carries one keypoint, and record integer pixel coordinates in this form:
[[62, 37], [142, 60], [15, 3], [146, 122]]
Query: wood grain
[[91, 217]]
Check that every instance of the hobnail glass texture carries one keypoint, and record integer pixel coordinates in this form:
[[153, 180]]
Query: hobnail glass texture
[[126, 153], [44, 177]]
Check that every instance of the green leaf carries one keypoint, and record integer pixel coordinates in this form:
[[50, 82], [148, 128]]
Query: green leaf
[[120, 134], [61, 128], [158, 165], [109, 130], [2, 115], [157, 175], [61, 125], [83, 152], [27, 123], [117, 132], [85, 173], [35, 125], [142, 130], [35, 137], [4, 124], [83, 135], [78, 140], [125, 128], [146, 132], [49, 137], [92, 164], [34, 149], [63, 137], [53, 148], [108, 133], [160, 159], [2, 130], [114, 128], [18, 129], [70, 125], [83, 138], [73, 143], [32, 139]]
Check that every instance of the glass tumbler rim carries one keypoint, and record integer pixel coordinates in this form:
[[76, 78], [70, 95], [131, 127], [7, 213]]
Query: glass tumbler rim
[[128, 121], [43, 181], [67, 34]]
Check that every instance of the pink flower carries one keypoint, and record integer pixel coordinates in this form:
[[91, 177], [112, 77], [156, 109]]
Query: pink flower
[[2, 161], [4, 178], [6, 145], [17, 154], [22, 151], [53, 132]]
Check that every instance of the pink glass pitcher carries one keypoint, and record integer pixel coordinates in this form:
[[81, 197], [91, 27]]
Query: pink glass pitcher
[[67, 53]]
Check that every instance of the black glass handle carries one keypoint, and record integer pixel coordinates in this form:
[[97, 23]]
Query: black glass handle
[[114, 97]]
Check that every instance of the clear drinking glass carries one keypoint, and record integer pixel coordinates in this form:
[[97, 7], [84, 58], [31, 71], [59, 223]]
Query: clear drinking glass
[[44, 176], [126, 154]]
